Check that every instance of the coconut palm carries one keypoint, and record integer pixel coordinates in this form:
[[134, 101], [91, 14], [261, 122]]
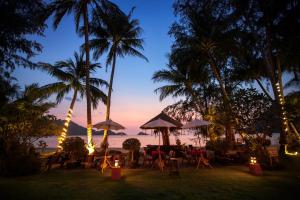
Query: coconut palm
[[119, 35], [71, 76], [81, 10], [204, 29]]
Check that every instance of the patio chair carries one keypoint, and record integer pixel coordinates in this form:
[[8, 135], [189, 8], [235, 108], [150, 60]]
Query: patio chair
[[273, 155], [174, 163], [203, 162]]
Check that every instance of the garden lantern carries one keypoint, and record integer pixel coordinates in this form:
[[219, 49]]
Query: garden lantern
[[254, 167], [253, 160], [116, 163]]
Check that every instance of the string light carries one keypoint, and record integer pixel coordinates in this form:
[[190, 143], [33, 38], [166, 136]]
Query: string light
[[63, 134], [90, 145], [285, 119]]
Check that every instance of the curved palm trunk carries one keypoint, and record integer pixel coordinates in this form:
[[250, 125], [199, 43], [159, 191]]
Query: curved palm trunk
[[229, 129], [67, 121], [90, 145], [278, 95], [216, 73], [105, 135]]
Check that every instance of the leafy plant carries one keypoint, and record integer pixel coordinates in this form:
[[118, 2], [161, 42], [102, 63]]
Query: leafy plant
[[76, 147], [133, 145]]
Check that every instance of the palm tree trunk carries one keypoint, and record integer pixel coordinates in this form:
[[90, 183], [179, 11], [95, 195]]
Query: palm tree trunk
[[216, 73], [229, 129], [88, 93], [105, 135], [67, 121], [264, 89]]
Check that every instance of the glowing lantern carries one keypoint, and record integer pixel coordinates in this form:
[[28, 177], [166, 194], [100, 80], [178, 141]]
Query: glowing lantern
[[117, 163], [254, 167], [253, 160]]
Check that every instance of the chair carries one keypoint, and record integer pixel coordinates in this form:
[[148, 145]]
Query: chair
[[273, 154], [174, 163], [147, 159], [203, 162]]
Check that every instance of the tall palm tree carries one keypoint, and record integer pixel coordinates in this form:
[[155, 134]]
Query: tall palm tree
[[81, 9], [204, 28], [119, 35], [71, 75]]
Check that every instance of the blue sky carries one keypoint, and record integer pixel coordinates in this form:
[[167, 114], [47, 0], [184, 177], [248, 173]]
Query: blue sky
[[133, 100]]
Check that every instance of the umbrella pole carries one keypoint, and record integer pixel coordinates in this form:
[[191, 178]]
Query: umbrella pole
[[104, 164], [159, 154]]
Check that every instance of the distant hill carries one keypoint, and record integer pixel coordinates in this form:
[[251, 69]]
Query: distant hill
[[142, 133], [101, 132], [76, 129]]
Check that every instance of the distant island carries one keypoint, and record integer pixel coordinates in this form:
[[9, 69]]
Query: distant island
[[76, 129], [142, 133]]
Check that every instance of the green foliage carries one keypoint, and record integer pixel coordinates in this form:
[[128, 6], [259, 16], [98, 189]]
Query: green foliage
[[76, 147], [22, 122], [18, 20], [19, 160], [131, 144], [71, 75], [220, 147], [249, 108]]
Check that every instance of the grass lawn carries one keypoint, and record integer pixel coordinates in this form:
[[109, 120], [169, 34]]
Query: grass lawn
[[232, 182]]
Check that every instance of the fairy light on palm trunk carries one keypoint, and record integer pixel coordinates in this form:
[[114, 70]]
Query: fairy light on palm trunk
[[90, 145], [284, 117], [63, 134]]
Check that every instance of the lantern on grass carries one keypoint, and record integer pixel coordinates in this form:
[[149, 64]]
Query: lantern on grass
[[116, 164], [253, 160], [255, 167], [116, 171]]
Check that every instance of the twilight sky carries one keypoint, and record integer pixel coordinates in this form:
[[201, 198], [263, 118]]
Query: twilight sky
[[133, 99]]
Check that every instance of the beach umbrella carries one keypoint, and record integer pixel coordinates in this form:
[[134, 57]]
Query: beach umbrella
[[163, 116], [164, 129], [196, 123], [109, 125], [158, 123]]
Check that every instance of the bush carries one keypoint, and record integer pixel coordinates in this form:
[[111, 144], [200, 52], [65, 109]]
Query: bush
[[133, 145], [75, 146], [20, 161], [220, 147]]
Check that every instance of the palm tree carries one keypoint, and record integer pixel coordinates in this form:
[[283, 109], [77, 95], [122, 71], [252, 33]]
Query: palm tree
[[119, 35], [71, 75], [204, 28], [80, 8]]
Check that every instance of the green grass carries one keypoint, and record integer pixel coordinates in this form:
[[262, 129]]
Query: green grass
[[233, 182]]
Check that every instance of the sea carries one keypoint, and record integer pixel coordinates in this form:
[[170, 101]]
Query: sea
[[115, 141]]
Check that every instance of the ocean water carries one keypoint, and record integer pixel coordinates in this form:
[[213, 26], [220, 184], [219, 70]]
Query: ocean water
[[116, 140]]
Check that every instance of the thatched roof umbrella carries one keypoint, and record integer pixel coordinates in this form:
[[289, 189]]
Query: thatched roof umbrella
[[165, 133]]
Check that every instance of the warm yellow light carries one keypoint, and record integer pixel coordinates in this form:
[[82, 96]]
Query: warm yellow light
[[117, 163], [253, 160], [63, 134], [90, 146], [290, 153]]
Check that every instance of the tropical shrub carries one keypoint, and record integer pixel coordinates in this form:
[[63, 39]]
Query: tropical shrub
[[23, 121], [76, 147], [133, 145]]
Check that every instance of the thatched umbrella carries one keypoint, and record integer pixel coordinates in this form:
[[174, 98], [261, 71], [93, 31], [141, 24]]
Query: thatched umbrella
[[159, 125], [164, 130]]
